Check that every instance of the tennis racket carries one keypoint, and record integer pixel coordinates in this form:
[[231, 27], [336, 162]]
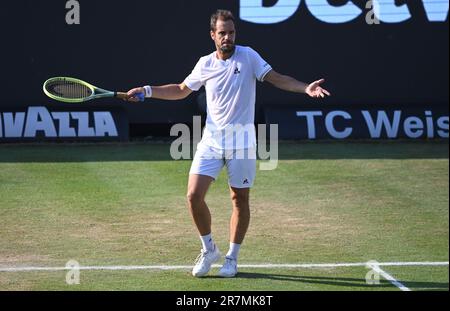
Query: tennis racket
[[71, 90]]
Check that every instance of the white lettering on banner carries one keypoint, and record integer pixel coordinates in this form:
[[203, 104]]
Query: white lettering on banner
[[310, 121], [329, 123], [385, 10], [436, 10], [103, 121], [389, 12], [413, 126], [382, 121], [430, 125], [83, 124], [56, 124], [331, 14], [443, 127], [13, 126], [254, 11], [64, 124], [39, 119]]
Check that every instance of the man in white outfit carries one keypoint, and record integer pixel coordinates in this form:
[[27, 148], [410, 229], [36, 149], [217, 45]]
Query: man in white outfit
[[229, 76]]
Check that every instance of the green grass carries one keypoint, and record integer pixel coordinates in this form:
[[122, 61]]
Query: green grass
[[124, 204]]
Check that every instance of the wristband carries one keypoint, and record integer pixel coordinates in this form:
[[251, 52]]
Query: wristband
[[148, 91]]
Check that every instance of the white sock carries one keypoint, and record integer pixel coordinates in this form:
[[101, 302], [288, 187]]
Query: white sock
[[207, 242], [234, 250]]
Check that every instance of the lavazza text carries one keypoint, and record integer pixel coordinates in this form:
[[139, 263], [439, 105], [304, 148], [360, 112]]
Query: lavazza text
[[57, 124]]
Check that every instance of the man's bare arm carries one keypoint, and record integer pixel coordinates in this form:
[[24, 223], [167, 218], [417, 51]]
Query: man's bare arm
[[168, 92], [290, 84]]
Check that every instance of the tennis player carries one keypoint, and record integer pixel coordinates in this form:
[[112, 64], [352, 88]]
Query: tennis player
[[229, 76]]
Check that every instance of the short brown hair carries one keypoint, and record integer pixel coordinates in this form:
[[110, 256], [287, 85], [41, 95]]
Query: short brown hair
[[223, 15]]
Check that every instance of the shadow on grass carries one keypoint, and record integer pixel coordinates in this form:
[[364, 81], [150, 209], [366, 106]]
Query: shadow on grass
[[160, 151], [340, 281]]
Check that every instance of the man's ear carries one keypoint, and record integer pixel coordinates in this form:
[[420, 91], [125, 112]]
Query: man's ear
[[212, 34]]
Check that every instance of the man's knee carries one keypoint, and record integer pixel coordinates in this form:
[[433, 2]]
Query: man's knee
[[194, 198], [197, 187], [240, 197]]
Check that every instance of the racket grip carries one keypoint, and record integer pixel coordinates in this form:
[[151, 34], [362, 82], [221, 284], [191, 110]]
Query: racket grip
[[140, 96], [124, 96]]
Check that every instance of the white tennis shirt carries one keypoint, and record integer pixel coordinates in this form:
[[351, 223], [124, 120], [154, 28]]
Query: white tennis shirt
[[230, 95]]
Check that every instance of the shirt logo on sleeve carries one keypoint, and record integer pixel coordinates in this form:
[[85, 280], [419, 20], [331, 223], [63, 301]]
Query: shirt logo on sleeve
[[237, 71]]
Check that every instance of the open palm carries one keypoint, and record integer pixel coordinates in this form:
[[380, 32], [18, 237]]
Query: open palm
[[315, 90]]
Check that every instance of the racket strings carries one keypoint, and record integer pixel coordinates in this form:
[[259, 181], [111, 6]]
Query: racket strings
[[68, 89]]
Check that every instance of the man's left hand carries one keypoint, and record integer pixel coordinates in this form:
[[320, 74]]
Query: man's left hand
[[315, 90]]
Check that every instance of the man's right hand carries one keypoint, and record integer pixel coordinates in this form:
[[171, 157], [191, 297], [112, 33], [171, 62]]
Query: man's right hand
[[132, 94]]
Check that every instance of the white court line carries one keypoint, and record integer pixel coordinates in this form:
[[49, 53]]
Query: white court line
[[255, 266], [389, 277]]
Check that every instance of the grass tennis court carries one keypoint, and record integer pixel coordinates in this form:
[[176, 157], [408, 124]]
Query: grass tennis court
[[124, 205]]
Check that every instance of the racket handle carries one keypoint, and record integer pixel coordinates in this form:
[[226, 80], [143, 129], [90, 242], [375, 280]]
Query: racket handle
[[139, 96]]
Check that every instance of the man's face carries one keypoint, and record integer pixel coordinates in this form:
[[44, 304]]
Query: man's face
[[224, 36]]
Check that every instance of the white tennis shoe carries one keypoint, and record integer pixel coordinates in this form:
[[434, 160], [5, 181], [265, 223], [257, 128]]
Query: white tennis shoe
[[229, 268], [204, 261]]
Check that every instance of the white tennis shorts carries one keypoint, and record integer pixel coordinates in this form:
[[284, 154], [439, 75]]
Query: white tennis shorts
[[241, 164]]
